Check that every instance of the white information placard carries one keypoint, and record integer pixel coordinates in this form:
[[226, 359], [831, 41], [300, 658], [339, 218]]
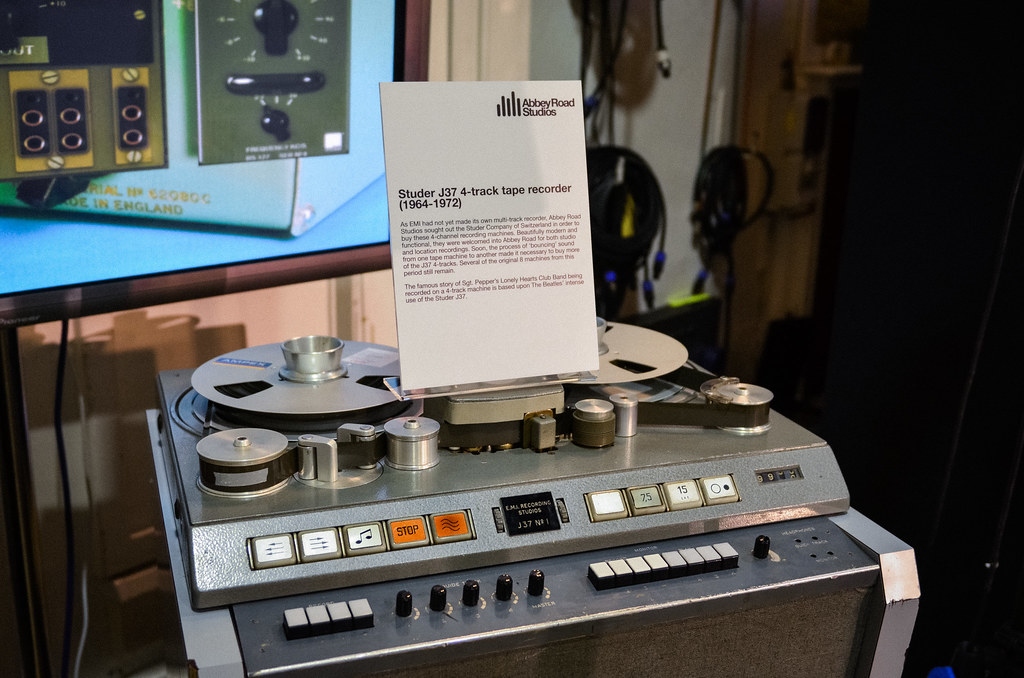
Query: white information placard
[[490, 231]]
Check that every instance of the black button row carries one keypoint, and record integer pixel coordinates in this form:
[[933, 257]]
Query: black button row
[[318, 620], [658, 566]]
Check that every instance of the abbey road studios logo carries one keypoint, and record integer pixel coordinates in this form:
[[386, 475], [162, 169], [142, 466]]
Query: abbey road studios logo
[[512, 106]]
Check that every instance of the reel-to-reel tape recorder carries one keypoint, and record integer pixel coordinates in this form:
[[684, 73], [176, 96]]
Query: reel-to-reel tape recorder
[[320, 525]]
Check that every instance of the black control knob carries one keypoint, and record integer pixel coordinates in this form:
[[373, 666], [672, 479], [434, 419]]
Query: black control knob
[[535, 586], [761, 546], [276, 123], [471, 593], [403, 604], [503, 591], [438, 598], [275, 19]]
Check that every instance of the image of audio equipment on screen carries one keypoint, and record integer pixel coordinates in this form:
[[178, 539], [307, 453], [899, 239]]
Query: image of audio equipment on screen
[[81, 86], [273, 79], [255, 116]]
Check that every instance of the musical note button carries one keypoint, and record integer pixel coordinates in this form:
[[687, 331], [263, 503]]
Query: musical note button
[[363, 538]]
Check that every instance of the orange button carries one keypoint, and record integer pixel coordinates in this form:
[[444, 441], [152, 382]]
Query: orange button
[[408, 532], [451, 526]]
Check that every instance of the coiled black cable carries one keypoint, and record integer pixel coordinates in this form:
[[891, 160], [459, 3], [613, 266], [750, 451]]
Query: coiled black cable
[[720, 198], [627, 218], [720, 212]]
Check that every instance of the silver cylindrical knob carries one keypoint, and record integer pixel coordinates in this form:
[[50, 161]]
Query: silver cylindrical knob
[[626, 410], [593, 423], [412, 443], [312, 359]]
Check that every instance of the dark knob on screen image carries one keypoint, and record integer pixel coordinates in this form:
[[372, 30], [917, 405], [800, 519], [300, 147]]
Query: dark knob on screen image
[[503, 591], [403, 604], [535, 586], [761, 546], [471, 593], [275, 19], [438, 598], [275, 122]]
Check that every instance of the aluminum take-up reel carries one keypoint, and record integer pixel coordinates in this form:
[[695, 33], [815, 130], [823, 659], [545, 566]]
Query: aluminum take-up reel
[[729, 404]]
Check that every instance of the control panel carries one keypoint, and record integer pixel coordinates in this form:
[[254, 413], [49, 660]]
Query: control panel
[[273, 79], [437, 618], [81, 88]]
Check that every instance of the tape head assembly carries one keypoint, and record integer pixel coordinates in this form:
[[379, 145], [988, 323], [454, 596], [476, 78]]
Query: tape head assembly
[[316, 409]]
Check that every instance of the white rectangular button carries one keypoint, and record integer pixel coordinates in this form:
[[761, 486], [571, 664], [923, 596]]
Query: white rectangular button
[[682, 495], [363, 539], [272, 551], [644, 500], [319, 545], [719, 490], [606, 505]]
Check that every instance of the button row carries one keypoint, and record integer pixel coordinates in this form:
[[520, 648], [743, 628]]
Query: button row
[[318, 620], [658, 566], [675, 496], [361, 539]]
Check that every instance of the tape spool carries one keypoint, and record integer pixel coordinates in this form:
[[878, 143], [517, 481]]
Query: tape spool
[[313, 383], [633, 353], [244, 462]]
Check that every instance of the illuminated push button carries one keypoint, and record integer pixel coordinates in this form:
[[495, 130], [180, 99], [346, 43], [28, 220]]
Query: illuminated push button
[[682, 495], [363, 539], [719, 490], [644, 500], [407, 533], [319, 545], [446, 527], [272, 551], [606, 505]]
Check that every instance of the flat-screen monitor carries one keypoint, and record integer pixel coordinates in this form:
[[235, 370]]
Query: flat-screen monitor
[[125, 240]]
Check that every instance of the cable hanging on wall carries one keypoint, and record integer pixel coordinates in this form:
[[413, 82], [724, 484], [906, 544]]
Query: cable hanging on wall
[[627, 217], [721, 211], [626, 204]]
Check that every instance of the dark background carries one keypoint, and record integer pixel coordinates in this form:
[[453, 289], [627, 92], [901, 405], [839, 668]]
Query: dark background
[[923, 391]]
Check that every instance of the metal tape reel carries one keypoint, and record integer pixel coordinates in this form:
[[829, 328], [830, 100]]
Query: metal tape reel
[[633, 353], [255, 380]]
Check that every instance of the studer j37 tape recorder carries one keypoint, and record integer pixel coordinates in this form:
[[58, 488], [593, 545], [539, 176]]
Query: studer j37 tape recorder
[[658, 518]]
